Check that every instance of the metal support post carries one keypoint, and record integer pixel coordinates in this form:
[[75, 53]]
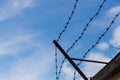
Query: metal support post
[[70, 60]]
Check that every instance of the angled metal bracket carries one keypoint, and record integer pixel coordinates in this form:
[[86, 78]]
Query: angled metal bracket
[[70, 60], [93, 61]]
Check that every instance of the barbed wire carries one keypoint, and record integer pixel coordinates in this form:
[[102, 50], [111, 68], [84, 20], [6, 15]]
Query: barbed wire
[[59, 36], [68, 21], [102, 35], [75, 42], [56, 64], [87, 25], [84, 30], [97, 42]]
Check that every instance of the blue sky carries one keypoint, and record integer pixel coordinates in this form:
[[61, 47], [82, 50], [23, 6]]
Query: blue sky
[[28, 28]]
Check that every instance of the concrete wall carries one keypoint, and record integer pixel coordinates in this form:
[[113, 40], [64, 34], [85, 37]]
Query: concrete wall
[[110, 71]]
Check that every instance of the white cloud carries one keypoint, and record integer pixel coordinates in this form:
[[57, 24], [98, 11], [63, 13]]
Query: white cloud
[[103, 46], [68, 71], [15, 44], [34, 67], [91, 69], [11, 8], [113, 11], [115, 41]]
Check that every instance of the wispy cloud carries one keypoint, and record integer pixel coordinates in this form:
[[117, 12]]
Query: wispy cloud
[[113, 11], [115, 41], [67, 71], [105, 19], [34, 66], [30, 68], [15, 44], [14, 7], [103, 46], [91, 69]]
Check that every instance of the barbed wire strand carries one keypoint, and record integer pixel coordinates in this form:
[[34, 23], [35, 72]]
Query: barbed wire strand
[[87, 25], [68, 21], [99, 38], [56, 64], [59, 36], [84, 30]]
